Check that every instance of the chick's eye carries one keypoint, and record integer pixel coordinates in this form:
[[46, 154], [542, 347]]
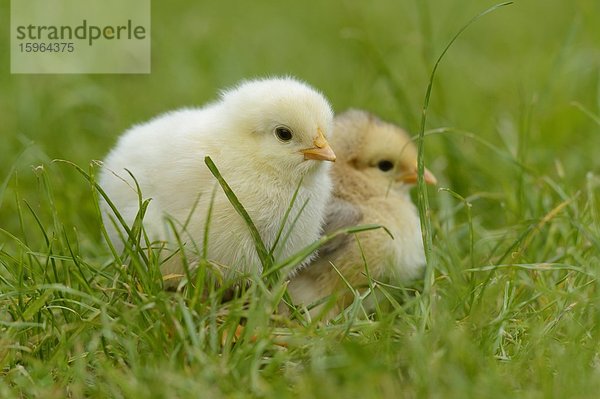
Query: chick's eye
[[283, 133], [385, 165]]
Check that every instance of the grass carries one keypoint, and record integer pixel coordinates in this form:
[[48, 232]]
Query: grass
[[512, 306]]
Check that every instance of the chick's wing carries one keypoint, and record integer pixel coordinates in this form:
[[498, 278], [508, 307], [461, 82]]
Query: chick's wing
[[339, 214]]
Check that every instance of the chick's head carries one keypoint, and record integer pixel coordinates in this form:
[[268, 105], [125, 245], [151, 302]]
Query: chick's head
[[283, 124], [380, 151]]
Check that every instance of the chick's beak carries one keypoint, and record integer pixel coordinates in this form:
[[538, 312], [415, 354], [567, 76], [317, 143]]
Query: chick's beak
[[411, 177], [321, 150]]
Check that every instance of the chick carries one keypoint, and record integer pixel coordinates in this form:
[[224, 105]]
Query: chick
[[376, 167], [266, 137]]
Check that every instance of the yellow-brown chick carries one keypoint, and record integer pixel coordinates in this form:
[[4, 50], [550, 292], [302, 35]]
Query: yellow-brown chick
[[375, 169]]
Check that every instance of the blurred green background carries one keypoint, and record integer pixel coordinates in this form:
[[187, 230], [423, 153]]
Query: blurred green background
[[512, 78]]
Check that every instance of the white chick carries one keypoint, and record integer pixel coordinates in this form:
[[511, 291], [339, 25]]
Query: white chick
[[376, 167], [265, 136]]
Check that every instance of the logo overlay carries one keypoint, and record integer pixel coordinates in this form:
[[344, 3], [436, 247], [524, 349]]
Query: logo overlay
[[80, 36]]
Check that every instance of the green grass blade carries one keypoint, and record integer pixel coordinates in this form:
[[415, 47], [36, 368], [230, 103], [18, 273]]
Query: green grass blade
[[422, 197], [285, 218], [264, 256], [299, 256]]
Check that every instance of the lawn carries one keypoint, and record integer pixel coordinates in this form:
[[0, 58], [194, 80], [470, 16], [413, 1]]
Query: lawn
[[512, 308]]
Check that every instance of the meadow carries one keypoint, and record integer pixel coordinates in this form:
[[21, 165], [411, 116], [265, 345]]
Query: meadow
[[510, 306]]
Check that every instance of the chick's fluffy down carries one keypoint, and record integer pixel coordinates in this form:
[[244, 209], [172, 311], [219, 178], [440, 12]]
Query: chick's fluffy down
[[166, 157], [375, 170]]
